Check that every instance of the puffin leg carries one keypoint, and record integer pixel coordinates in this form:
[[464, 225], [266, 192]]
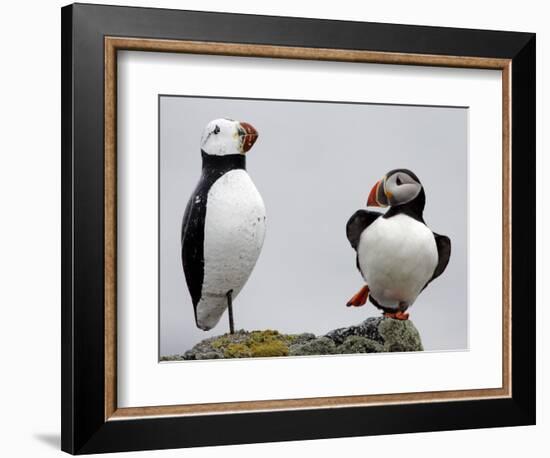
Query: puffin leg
[[360, 298], [230, 311], [400, 313]]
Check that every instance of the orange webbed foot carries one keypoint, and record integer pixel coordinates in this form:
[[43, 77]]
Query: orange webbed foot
[[399, 315], [360, 298]]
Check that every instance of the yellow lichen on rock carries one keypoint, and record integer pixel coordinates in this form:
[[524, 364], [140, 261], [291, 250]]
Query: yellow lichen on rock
[[255, 344], [269, 348], [237, 350], [374, 335]]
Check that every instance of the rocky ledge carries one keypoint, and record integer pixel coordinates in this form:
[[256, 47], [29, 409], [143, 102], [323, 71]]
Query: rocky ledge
[[374, 335]]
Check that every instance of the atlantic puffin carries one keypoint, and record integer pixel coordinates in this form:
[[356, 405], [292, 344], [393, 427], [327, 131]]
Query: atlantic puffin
[[224, 223], [397, 254]]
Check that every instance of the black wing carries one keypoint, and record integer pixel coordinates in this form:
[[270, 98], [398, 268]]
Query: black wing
[[443, 244], [358, 222], [192, 243], [192, 227]]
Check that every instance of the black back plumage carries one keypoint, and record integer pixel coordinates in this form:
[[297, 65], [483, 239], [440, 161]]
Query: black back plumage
[[192, 228]]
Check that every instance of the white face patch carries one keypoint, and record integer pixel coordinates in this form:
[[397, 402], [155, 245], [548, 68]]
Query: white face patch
[[401, 188], [221, 138]]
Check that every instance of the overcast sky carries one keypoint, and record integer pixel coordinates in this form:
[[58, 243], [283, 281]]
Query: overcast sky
[[314, 164]]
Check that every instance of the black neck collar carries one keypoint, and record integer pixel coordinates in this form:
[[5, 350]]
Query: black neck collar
[[414, 208], [228, 162]]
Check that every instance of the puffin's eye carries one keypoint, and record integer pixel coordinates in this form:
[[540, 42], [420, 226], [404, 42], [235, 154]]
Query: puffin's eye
[[216, 130], [398, 181]]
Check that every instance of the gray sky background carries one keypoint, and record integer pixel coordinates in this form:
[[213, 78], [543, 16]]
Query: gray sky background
[[314, 164]]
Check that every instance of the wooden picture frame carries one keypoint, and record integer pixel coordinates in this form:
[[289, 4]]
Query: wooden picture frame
[[91, 37]]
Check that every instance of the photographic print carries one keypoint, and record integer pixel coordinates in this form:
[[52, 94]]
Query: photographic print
[[301, 228], [241, 205]]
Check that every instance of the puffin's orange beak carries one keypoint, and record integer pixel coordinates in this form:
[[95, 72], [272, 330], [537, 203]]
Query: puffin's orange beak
[[372, 201], [248, 134]]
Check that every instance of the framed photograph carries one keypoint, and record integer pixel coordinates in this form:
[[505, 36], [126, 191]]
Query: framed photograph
[[281, 228]]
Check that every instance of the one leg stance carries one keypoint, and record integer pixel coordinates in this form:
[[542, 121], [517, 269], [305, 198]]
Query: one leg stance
[[230, 311], [360, 298]]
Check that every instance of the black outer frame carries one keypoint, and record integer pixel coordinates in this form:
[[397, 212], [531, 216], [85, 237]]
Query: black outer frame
[[84, 429]]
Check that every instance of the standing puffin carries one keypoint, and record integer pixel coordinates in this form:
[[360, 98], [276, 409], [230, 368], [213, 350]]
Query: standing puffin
[[397, 254], [223, 226]]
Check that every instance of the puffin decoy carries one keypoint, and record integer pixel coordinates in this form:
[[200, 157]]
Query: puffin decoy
[[397, 253], [224, 223]]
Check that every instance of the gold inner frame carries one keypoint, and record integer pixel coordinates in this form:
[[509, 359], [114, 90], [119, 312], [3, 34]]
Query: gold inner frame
[[114, 44]]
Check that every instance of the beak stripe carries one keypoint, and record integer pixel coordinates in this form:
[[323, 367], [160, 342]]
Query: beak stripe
[[377, 196], [250, 136]]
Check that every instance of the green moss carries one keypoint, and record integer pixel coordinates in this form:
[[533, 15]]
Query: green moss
[[254, 344], [221, 342], [271, 348], [237, 350], [264, 336]]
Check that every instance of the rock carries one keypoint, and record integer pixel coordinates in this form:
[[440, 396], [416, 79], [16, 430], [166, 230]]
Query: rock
[[172, 358], [302, 338], [374, 335], [210, 355], [317, 346], [368, 329], [358, 344], [400, 336], [392, 335], [245, 344]]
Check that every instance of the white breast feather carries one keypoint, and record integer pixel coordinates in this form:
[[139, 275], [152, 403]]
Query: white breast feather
[[397, 257], [233, 237]]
